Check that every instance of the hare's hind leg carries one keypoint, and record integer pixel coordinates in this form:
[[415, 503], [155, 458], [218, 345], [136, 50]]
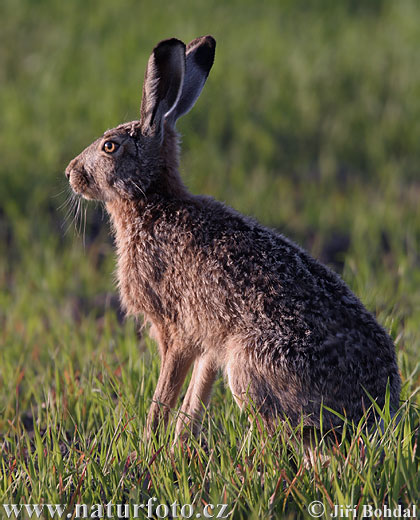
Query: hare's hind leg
[[198, 394], [250, 388], [261, 387]]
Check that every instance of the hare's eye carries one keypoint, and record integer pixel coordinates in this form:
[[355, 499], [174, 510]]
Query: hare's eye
[[110, 147]]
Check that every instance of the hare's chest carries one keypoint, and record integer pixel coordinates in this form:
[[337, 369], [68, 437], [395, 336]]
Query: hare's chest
[[139, 284]]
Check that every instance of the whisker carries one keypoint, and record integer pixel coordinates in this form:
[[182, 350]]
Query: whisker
[[77, 220], [73, 205], [84, 227], [59, 193], [75, 208], [77, 223], [65, 203], [67, 200], [70, 210], [139, 188]]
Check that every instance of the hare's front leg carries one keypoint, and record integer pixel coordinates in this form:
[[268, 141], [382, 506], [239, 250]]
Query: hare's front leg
[[198, 394], [174, 367]]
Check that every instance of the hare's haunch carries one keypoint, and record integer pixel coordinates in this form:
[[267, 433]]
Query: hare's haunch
[[219, 290]]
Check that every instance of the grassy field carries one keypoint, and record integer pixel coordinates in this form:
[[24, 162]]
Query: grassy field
[[310, 122]]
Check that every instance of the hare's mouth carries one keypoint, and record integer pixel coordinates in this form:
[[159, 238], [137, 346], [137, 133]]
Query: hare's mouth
[[80, 184]]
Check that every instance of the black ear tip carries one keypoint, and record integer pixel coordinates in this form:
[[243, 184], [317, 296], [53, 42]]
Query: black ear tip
[[202, 40], [205, 48], [170, 42], [209, 40], [166, 46]]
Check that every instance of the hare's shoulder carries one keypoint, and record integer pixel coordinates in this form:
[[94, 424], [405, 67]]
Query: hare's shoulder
[[223, 230], [248, 253], [206, 224]]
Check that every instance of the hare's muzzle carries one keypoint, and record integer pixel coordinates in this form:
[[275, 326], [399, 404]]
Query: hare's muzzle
[[72, 166], [76, 174]]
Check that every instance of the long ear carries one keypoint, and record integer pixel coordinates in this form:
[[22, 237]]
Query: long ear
[[199, 60], [162, 85]]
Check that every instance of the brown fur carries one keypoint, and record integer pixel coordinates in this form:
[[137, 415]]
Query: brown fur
[[219, 289]]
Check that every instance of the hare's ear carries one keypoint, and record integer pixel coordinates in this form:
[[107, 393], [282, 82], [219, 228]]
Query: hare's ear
[[162, 84], [199, 60]]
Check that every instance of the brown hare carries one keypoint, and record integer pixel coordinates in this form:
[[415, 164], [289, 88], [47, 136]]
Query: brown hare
[[219, 290]]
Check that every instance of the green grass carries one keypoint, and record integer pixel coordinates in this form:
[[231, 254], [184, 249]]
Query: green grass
[[309, 122]]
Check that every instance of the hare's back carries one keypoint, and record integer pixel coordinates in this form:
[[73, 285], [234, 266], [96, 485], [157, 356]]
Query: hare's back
[[301, 319], [288, 297]]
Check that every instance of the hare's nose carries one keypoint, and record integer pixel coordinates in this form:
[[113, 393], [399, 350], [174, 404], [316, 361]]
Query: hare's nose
[[72, 165]]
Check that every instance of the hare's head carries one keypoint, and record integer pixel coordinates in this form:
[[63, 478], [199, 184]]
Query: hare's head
[[129, 160]]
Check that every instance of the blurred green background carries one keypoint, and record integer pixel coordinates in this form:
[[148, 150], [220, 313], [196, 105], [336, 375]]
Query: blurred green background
[[309, 121]]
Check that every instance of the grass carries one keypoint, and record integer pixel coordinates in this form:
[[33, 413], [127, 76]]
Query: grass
[[74, 448], [309, 121]]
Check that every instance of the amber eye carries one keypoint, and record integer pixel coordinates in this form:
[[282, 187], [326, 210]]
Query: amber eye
[[110, 147]]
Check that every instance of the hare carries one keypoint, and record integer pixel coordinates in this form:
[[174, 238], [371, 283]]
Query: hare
[[219, 290]]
